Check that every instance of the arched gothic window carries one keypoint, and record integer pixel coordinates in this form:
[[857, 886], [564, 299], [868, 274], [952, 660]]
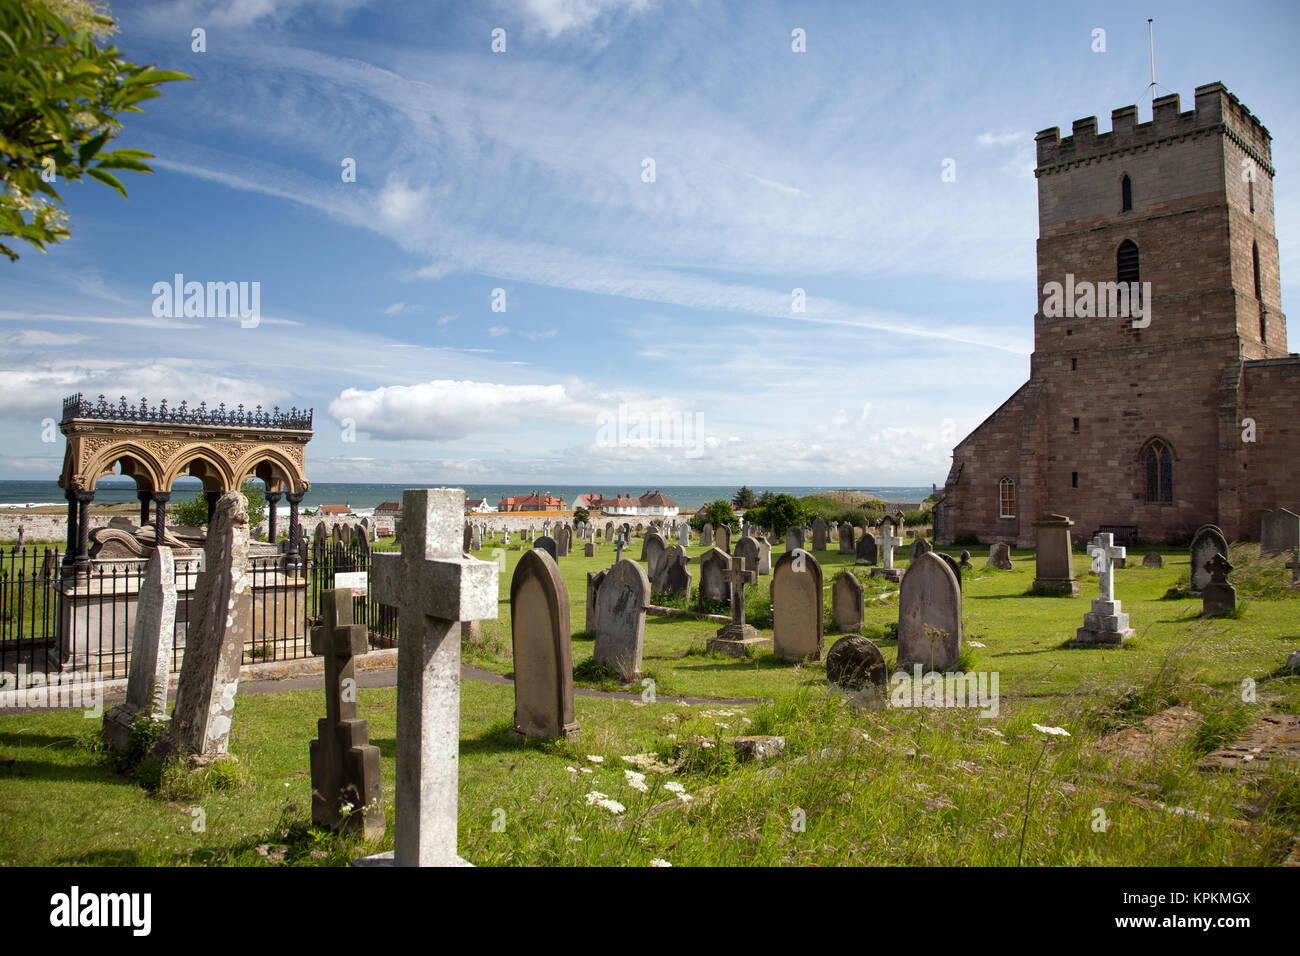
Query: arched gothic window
[[1158, 462], [1007, 498], [1126, 194], [1126, 262]]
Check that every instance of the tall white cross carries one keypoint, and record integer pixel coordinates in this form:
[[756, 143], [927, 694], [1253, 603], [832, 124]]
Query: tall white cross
[[887, 544], [1103, 550], [435, 587]]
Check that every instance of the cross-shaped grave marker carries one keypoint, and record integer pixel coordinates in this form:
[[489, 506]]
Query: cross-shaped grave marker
[[737, 638], [344, 764], [1104, 551], [887, 545], [435, 587]]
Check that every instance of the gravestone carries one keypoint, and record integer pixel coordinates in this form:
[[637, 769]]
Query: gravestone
[[919, 547], [546, 526], [1218, 596], [797, 607], [865, 550], [659, 577], [435, 588], [737, 638], [963, 561], [846, 538], [547, 543], [819, 534], [888, 542], [847, 607], [318, 538], [589, 550], [652, 552], [593, 606], [855, 663], [1293, 564], [476, 539], [722, 538], [1053, 556], [1153, 560], [152, 635], [714, 565], [221, 623], [929, 616], [675, 573], [793, 539], [706, 536], [543, 658], [999, 557], [1206, 542], [747, 548], [1106, 625], [684, 534], [764, 556], [344, 764], [564, 543], [1279, 531], [623, 597], [609, 530]]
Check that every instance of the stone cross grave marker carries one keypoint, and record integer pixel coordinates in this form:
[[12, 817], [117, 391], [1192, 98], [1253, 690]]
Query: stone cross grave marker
[[887, 544], [151, 651], [737, 638], [435, 588], [1218, 597], [1106, 625], [1207, 540], [344, 764]]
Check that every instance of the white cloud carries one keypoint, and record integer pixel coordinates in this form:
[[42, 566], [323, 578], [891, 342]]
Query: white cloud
[[537, 336], [997, 139], [403, 308], [555, 17], [498, 330]]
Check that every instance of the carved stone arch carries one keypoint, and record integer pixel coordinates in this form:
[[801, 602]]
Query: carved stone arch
[[1142, 449], [214, 469], [145, 467], [274, 466]]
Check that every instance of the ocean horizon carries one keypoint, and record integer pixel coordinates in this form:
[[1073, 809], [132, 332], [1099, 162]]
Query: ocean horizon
[[363, 498]]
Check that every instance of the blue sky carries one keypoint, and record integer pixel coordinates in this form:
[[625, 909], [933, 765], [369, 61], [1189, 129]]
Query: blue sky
[[523, 171]]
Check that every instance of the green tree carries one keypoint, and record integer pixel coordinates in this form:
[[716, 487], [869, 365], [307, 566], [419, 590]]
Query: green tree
[[744, 498], [580, 514], [780, 512], [60, 98], [719, 513], [194, 513]]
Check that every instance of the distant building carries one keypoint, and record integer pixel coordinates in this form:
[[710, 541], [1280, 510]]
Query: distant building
[[334, 511], [537, 501], [389, 508], [652, 503], [479, 506]]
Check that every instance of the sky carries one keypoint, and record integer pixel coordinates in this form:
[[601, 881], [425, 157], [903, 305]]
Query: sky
[[575, 258]]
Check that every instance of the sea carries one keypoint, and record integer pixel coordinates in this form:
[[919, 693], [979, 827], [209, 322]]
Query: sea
[[363, 498]]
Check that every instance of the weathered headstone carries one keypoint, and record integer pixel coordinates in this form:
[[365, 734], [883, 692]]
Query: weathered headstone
[[344, 764], [797, 625], [564, 541], [846, 538], [855, 663], [953, 565], [1279, 531], [794, 539], [652, 552], [547, 543], [865, 550], [929, 616], [714, 564], [543, 658], [919, 547], [318, 538], [623, 597], [684, 534], [847, 608], [1218, 596], [589, 549], [963, 561], [663, 569], [151, 651], [722, 538], [999, 556], [1153, 560], [706, 536], [1053, 556], [593, 606], [435, 588], [747, 548], [737, 638], [1206, 542], [1106, 625], [819, 534], [221, 623], [675, 573]]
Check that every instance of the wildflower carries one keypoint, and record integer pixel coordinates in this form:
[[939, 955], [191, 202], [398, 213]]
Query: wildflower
[[672, 786], [1056, 731], [570, 769], [636, 780], [594, 759], [658, 862]]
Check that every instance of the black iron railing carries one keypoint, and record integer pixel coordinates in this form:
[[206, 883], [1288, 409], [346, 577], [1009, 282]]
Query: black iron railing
[[76, 406]]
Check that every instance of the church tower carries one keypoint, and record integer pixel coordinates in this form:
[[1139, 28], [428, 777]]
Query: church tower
[[1133, 414]]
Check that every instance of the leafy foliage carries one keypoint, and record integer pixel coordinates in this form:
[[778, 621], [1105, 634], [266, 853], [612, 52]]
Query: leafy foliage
[[60, 98], [780, 512], [743, 498], [718, 513]]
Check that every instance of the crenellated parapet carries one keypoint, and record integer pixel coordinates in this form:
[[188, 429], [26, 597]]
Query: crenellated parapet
[[1217, 111]]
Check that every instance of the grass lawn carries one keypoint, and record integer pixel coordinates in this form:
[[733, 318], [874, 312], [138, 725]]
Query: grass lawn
[[855, 785]]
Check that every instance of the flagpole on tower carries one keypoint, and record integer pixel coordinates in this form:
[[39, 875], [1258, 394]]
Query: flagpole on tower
[[1151, 49]]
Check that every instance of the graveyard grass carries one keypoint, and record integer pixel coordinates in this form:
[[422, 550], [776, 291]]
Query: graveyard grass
[[900, 786]]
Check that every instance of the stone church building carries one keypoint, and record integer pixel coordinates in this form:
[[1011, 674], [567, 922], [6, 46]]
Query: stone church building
[[1156, 425]]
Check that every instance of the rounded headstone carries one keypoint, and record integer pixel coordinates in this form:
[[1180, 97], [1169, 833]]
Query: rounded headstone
[[1153, 560], [855, 663]]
